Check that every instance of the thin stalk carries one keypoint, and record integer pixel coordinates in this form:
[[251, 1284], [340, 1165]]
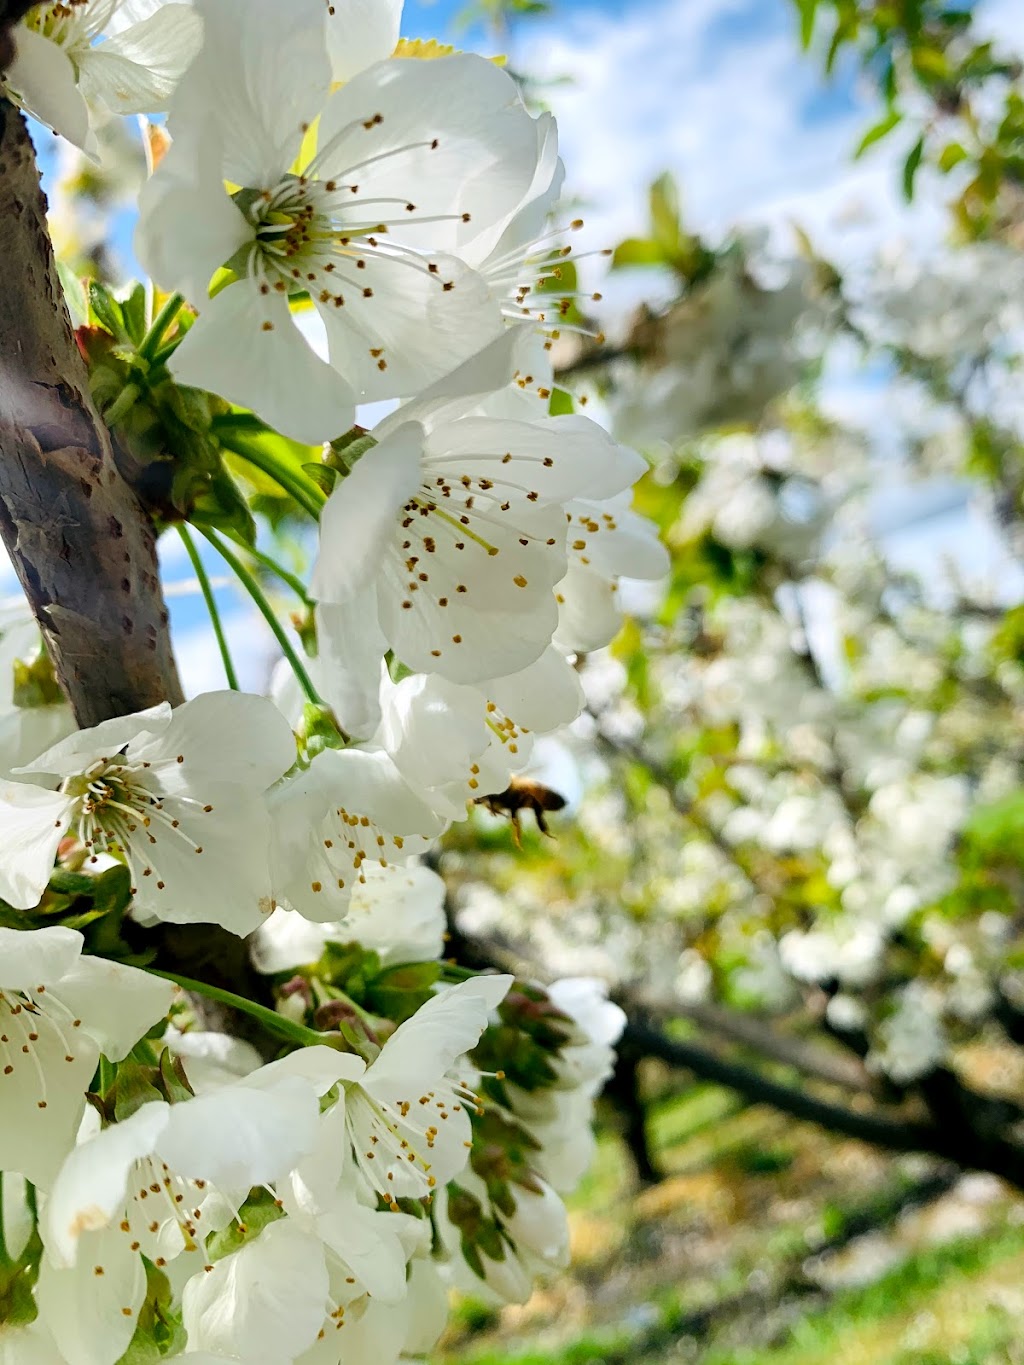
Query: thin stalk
[[295, 583], [305, 492], [150, 343], [274, 1023], [252, 587], [211, 606]]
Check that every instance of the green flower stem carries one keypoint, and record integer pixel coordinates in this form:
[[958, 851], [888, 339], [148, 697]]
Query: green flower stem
[[274, 1023], [211, 606], [305, 492], [254, 590], [122, 404], [296, 584], [150, 343]]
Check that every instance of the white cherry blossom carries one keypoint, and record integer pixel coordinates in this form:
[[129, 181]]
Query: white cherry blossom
[[406, 1111], [397, 912], [452, 535], [178, 794], [78, 62], [366, 215], [349, 808], [146, 1187], [58, 1011]]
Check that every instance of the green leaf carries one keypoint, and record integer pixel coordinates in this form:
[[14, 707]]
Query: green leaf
[[561, 403], [878, 131], [74, 295], [106, 310], [134, 312], [808, 9], [637, 251], [666, 222], [910, 167], [951, 155]]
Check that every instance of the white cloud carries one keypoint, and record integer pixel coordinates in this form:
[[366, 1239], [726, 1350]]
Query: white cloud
[[718, 92]]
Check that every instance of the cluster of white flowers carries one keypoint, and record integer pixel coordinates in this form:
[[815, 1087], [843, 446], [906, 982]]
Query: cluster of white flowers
[[345, 218]]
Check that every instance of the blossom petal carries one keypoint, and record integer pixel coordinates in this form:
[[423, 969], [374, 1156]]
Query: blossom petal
[[442, 1030], [358, 519], [39, 958], [117, 1004], [90, 1190], [34, 821], [188, 226], [135, 71], [76, 753], [351, 646], [264, 1303], [43, 78], [192, 749], [258, 82], [403, 324], [241, 1135], [483, 163], [92, 1309], [245, 347], [541, 697], [361, 32]]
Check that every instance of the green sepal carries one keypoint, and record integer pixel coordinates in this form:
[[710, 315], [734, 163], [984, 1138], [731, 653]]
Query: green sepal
[[35, 682], [257, 1213], [159, 1331]]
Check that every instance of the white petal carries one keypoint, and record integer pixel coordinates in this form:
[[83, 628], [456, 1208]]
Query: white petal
[[256, 83], [188, 225], [320, 841], [84, 1305], [557, 457], [404, 327], [358, 520], [43, 78], [220, 738], [435, 731], [589, 615], [117, 1004], [350, 647], [213, 869], [33, 821], [263, 1303], [399, 913], [89, 1192], [42, 1093], [37, 957], [541, 697], [241, 1135], [76, 753], [246, 348], [136, 71], [426, 1045], [484, 161], [361, 32]]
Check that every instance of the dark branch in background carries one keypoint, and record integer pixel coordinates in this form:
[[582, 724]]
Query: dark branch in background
[[83, 548], [961, 1125], [758, 1032]]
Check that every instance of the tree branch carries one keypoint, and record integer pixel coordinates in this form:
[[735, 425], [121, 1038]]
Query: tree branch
[[81, 543]]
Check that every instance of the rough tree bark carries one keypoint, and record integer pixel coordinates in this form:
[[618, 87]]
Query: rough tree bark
[[80, 540]]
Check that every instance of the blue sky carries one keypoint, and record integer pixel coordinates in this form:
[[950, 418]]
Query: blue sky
[[717, 92]]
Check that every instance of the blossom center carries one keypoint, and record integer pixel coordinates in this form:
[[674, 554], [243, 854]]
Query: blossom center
[[70, 23]]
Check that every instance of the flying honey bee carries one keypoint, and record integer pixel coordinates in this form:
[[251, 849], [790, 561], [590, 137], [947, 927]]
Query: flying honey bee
[[523, 794]]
